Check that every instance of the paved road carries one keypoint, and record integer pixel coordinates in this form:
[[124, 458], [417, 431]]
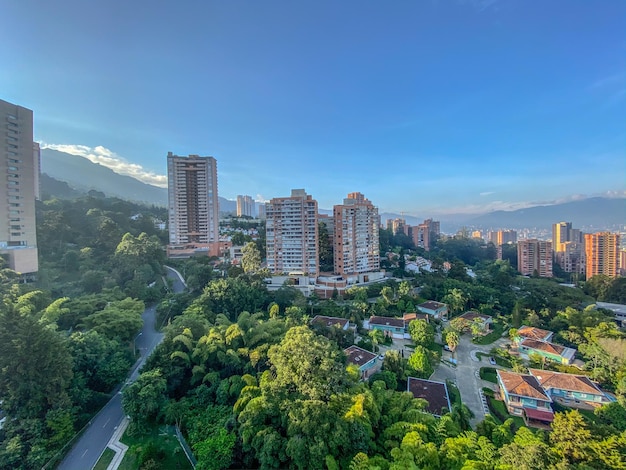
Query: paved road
[[86, 452], [465, 375]]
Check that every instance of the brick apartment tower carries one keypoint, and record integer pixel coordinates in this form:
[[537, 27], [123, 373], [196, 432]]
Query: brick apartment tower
[[193, 203], [292, 234], [356, 243], [602, 254], [245, 206], [19, 164], [534, 255]]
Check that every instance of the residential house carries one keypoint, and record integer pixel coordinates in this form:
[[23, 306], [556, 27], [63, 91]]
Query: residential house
[[550, 351], [576, 391], [409, 317], [524, 397], [363, 359], [390, 326], [436, 309], [435, 393], [475, 318], [533, 333], [342, 323]]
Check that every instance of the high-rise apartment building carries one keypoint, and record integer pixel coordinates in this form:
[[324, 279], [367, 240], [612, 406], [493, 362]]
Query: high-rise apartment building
[[425, 233], [602, 254], [18, 235], [292, 234], [569, 247], [245, 206], [356, 242], [397, 226], [502, 237], [534, 256], [193, 202]]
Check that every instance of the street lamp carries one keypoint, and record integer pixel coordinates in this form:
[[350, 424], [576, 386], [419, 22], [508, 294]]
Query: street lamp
[[134, 350]]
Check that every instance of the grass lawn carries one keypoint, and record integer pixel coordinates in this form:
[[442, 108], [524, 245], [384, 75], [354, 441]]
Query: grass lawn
[[498, 409], [498, 329], [105, 459], [171, 454], [488, 374]]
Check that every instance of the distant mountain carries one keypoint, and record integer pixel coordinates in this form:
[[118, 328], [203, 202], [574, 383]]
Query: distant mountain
[[82, 175], [592, 213], [51, 187]]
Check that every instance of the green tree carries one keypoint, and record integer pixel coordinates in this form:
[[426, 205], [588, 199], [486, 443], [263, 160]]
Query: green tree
[[306, 365], [326, 252], [144, 399], [456, 300], [420, 362], [571, 437], [251, 258], [452, 339], [422, 333]]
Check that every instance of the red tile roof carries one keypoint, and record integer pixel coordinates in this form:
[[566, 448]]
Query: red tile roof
[[522, 385], [541, 415], [534, 333], [547, 347], [415, 316], [435, 393], [571, 382]]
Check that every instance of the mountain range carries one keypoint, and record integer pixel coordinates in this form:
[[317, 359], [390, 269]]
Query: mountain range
[[80, 175]]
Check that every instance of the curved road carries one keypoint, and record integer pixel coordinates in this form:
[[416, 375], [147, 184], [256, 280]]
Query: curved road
[[86, 452]]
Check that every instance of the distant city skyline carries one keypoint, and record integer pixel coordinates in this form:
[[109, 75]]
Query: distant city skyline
[[426, 107]]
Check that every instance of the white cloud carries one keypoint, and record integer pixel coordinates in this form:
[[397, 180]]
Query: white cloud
[[486, 193], [110, 159]]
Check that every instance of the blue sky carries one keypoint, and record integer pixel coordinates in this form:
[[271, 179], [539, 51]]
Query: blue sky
[[424, 106]]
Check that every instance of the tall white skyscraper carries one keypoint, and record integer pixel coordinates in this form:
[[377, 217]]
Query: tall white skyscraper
[[18, 235], [193, 202], [356, 246], [291, 236]]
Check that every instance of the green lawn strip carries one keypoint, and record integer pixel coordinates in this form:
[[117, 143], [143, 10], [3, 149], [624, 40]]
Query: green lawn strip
[[496, 334], [105, 459], [498, 409], [488, 374], [159, 444]]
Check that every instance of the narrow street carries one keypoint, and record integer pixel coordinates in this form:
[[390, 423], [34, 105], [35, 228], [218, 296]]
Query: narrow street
[[87, 450]]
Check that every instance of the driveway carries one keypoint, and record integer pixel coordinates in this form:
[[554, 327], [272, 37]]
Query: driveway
[[466, 374]]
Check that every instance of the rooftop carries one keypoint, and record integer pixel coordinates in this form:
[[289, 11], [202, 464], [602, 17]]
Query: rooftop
[[522, 385], [330, 321], [471, 316], [534, 333], [571, 382], [549, 348], [435, 393], [358, 356], [416, 316], [387, 321], [432, 305]]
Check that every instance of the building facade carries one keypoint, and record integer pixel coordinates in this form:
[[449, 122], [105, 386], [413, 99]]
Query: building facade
[[292, 234], [424, 234], [602, 254], [245, 206], [569, 247], [18, 234], [534, 256], [356, 246], [193, 203]]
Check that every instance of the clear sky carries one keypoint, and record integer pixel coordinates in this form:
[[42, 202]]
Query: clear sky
[[424, 106]]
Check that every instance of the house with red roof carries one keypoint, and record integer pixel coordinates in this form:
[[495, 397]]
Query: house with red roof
[[550, 351], [576, 391], [524, 396]]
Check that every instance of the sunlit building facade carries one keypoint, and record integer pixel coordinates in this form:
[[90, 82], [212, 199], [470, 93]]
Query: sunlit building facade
[[245, 206], [602, 254], [534, 257]]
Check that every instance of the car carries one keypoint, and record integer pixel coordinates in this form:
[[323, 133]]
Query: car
[[382, 356], [446, 347], [492, 361]]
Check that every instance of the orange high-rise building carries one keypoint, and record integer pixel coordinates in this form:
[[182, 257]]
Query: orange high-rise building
[[602, 254]]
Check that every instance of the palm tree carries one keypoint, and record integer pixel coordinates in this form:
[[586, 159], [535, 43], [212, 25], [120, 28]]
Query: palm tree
[[452, 339]]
